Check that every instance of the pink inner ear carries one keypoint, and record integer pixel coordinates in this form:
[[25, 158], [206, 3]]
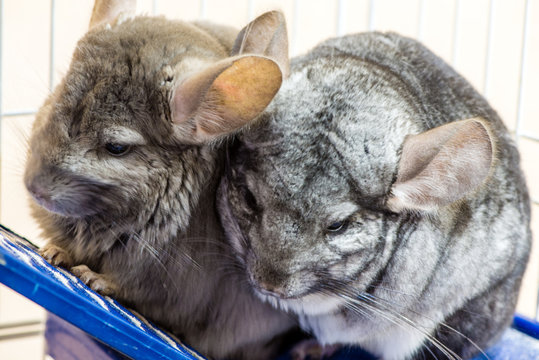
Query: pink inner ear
[[183, 104], [189, 95], [442, 165], [224, 97]]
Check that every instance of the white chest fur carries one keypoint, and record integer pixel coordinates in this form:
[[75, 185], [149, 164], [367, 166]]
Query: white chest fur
[[388, 341]]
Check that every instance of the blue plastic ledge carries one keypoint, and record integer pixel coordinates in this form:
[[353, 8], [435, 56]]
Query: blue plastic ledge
[[526, 326], [64, 295]]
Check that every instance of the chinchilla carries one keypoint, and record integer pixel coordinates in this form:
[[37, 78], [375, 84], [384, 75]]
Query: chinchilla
[[124, 160], [381, 200]]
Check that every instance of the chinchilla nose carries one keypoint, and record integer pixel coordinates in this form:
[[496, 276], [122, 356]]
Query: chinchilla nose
[[271, 290], [270, 281]]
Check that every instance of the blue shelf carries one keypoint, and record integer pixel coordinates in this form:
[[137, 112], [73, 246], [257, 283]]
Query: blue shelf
[[61, 293]]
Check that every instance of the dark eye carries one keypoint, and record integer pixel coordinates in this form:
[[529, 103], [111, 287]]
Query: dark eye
[[117, 149], [249, 198], [337, 226]]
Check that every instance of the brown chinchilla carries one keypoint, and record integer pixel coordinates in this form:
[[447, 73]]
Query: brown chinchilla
[[125, 156]]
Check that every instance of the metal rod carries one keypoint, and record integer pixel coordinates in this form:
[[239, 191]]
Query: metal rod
[[421, 21], [372, 14], [20, 324], [23, 112], [203, 9], [523, 70], [528, 135], [456, 33], [488, 56], [341, 20], [51, 48], [250, 10], [295, 27]]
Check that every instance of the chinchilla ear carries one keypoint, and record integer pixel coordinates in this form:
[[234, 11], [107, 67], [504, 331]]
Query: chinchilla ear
[[267, 36], [107, 11], [442, 165], [222, 98], [227, 95]]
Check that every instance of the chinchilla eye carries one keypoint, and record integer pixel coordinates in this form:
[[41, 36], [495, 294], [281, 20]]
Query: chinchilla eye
[[249, 198], [117, 149], [337, 226]]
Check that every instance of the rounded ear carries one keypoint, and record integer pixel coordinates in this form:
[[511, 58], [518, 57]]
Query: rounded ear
[[266, 35], [232, 92], [222, 98], [442, 165], [106, 11]]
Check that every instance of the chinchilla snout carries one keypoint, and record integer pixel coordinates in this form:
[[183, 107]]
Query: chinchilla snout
[[67, 194], [269, 280]]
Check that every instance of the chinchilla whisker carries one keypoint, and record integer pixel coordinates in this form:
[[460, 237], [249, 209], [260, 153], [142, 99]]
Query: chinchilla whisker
[[375, 299], [391, 290], [260, 145], [158, 261], [394, 317], [156, 251], [14, 170], [438, 344], [443, 324], [22, 137], [232, 268], [205, 240], [353, 306], [211, 254], [387, 310]]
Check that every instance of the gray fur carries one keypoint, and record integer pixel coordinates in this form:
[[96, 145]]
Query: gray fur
[[401, 284], [143, 226]]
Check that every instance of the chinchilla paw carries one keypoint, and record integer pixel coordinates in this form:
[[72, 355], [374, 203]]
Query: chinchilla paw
[[55, 255], [97, 282]]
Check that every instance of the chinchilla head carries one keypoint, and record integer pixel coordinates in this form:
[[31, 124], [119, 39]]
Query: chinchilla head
[[130, 136], [373, 173]]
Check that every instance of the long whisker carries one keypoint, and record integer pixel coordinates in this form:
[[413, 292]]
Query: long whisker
[[390, 315], [443, 324], [374, 298], [439, 345]]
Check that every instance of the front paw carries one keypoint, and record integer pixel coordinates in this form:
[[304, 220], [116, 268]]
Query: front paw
[[56, 256], [97, 282]]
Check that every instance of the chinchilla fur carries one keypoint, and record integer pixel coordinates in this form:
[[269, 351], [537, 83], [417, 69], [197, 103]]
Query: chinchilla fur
[[123, 166], [381, 200]]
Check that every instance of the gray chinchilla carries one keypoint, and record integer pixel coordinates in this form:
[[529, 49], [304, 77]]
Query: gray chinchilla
[[381, 201], [124, 160]]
